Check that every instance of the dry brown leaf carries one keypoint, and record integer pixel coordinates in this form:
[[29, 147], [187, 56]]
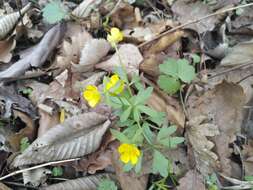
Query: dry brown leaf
[[197, 133], [6, 47], [38, 56], [4, 187], [36, 177], [8, 22], [77, 136], [226, 100], [84, 183], [93, 51], [190, 11], [174, 111], [75, 38], [239, 54], [192, 180], [84, 9], [130, 57]]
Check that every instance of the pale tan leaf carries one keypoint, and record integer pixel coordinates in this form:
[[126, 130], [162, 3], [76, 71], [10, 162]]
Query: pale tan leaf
[[8, 22], [6, 47], [4, 187], [130, 56], [77, 136], [36, 177], [70, 52], [93, 51], [85, 8]]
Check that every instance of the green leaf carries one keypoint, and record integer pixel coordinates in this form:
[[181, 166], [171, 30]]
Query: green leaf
[[125, 115], [160, 164], [172, 142], [138, 137], [248, 178], [107, 184], [169, 84], [196, 58], [120, 136], [149, 111], [169, 67], [143, 95], [165, 132], [137, 167], [159, 120], [186, 72], [148, 134], [54, 12], [122, 74], [136, 114], [57, 171], [24, 143]]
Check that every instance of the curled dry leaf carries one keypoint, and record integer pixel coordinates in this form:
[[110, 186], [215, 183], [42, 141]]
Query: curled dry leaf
[[84, 183], [93, 51], [70, 52], [6, 47], [8, 22], [192, 180], [38, 56], [173, 109], [85, 8], [197, 133], [77, 136], [130, 56]]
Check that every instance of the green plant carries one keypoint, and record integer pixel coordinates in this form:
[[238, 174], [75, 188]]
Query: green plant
[[248, 178], [26, 91], [57, 171], [211, 182], [24, 143], [174, 73], [54, 11], [107, 184]]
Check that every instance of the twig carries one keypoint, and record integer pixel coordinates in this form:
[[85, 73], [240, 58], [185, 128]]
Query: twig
[[19, 185], [38, 166], [232, 69], [195, 21]]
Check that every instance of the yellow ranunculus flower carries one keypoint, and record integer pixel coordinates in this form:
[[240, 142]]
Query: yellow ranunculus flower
[[92, 95], [129, 152], [115, 36], [115, 85]]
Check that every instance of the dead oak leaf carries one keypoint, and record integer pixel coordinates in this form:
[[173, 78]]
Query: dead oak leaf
[[192, 180], [6, 47]]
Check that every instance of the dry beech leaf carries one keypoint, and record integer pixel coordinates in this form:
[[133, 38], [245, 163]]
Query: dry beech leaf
[[77, 136], [239, 54], [8, 22], [93, 51], [6, 47], [70, 52], [94, 79], [130, 57], [192, 180], [174, 112], [85, 8], [38, 56], [197, 133], [190, 11], [84, 183]]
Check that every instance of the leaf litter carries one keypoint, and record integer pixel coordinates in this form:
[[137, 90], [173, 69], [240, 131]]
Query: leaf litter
[[50, 51]]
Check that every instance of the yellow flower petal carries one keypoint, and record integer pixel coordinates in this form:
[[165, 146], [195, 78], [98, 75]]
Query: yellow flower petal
[[134, 160], [115, 36], [122, 148], [91, 95], [115, 85], [125, 158]]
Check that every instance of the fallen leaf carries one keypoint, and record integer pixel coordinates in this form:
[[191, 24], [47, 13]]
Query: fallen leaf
[[84, 9], [36, 177], [77, 136], [6, 47], [4, 187], [239, 54], [192, 180], [130, 56], [84, 183], [38, 56], [187, 12]]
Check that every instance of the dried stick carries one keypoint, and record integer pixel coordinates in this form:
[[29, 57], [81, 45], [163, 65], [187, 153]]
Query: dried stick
[[38, 166], [195, 21]]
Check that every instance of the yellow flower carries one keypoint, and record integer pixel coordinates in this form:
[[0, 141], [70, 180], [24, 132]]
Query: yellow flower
[[115, 85], [129, 152], [115, 36], [92, 95]]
